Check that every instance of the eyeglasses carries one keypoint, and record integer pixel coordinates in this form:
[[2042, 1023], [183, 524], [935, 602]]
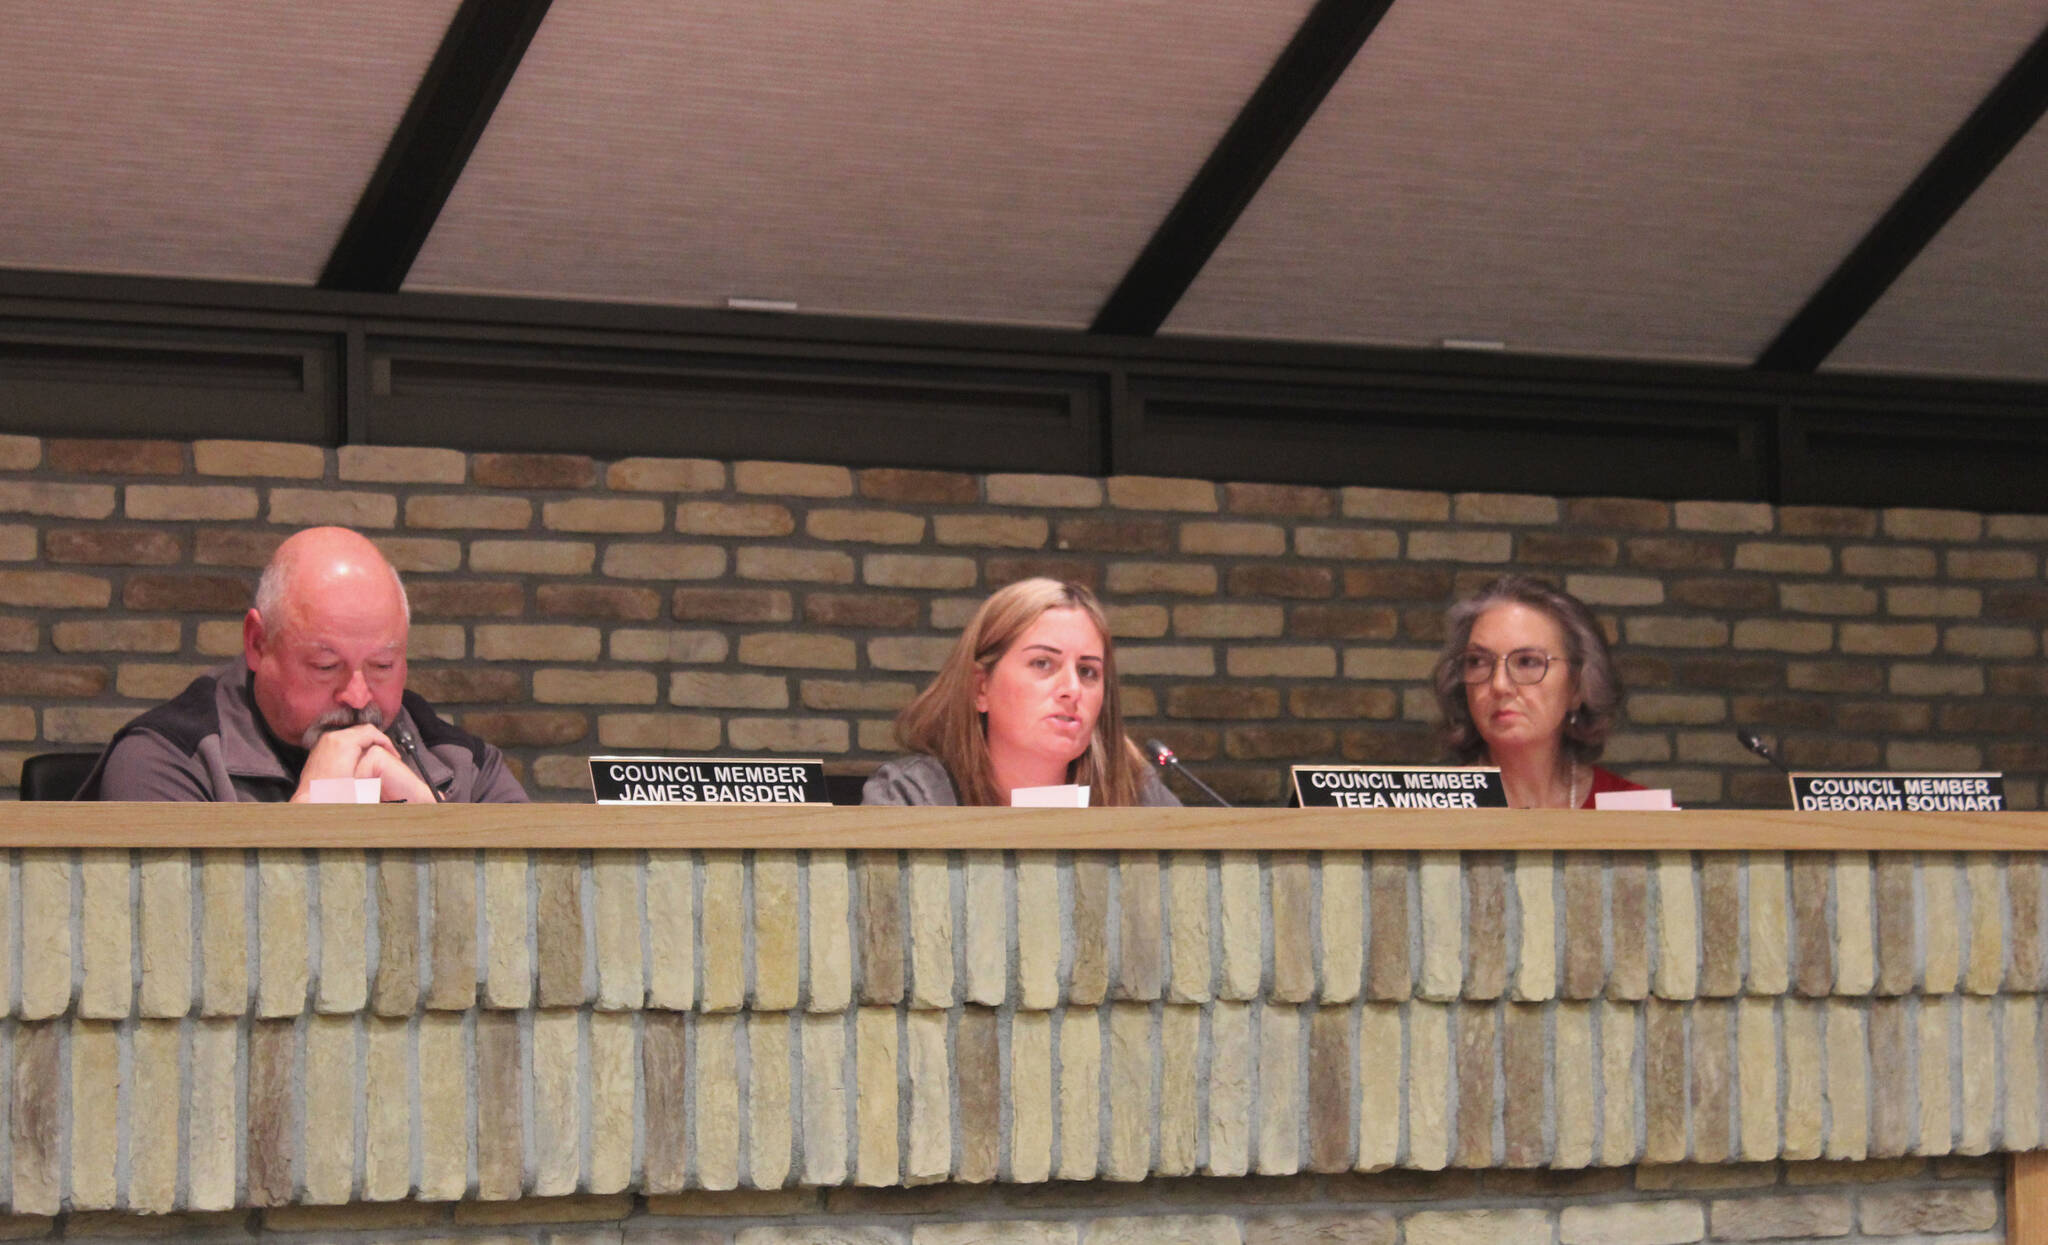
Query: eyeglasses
[[1526, 666]]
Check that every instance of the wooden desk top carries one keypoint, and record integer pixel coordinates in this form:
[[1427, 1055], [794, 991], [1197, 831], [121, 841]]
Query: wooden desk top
[[572, 826]]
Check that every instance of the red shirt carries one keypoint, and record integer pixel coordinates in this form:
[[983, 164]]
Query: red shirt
[[1608, 780]]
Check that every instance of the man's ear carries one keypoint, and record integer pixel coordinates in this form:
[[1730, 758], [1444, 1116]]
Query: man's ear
[[253, 638]]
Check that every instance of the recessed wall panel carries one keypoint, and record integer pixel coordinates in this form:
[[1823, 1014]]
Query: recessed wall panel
[[908, 158], [1635, 178], [198, 138], [1975, 302]]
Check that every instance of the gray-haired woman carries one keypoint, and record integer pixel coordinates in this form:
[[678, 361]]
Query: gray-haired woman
[[1526, 683]]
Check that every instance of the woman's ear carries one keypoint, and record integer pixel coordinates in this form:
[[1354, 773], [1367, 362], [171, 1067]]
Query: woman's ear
[[980, 690]]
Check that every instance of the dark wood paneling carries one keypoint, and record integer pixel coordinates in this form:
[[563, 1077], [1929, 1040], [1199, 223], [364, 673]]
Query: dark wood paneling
[[611, 403], [1982, 461], [101, 356], [1533, 438], [68, 378]]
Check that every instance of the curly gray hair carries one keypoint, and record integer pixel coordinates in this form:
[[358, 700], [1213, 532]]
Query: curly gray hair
[[1600, 691]]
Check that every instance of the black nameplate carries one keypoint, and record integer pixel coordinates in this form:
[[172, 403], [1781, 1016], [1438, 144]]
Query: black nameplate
[[1903, 793], [1398, 786], [707, 780]]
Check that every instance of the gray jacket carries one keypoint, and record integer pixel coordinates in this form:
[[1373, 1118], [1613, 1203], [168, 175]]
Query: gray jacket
[[210, 744], [920, 779]]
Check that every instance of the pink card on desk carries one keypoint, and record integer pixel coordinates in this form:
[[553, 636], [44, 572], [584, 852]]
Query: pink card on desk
[[1066, 795], [345, 791], [1659, 799]]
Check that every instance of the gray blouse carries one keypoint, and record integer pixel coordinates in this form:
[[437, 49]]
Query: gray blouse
[[919, 779]]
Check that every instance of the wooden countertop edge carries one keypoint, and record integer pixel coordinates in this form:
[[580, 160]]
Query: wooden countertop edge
[[571, 826]]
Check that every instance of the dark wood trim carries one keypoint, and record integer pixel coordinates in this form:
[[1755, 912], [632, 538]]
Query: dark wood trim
[[614, 398], [2005, 116], [37, 294], [355, 387], [1407, 431], [1321, 50], [95, 356], [460, 89]]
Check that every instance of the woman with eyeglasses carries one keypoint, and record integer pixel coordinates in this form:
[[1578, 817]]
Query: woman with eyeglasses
[[1526, 683]]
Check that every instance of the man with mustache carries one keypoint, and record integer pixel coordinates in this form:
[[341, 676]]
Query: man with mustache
[[318, 693]]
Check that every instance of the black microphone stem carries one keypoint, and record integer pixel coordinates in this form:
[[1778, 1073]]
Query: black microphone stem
[[412, 749], [1163, 756], [1748, 739], [1205, 788]]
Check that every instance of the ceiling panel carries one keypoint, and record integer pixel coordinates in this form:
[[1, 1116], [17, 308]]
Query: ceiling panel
[[1637, 178], [1975, 302], [914, 158], [198, 138]]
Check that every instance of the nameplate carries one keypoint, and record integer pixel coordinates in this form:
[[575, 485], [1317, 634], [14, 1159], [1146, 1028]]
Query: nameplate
[[1904, 793], [707, 780], [1398, 786]]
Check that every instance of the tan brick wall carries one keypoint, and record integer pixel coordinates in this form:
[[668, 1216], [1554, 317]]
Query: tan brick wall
[[1949, 1200], [566, 606]]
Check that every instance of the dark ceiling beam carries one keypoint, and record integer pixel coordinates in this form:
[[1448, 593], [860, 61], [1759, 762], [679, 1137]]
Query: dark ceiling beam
[[1250, 149], [2004, 117], [461, 88]]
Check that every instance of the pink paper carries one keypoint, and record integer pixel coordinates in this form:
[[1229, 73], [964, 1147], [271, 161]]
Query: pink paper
[[1658, 799]]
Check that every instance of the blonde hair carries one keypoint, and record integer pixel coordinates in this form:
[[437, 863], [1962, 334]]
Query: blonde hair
[[943, 722]]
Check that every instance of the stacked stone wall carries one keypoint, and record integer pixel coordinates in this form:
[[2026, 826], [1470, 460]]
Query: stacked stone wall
[[217, 1030], [566, 606]]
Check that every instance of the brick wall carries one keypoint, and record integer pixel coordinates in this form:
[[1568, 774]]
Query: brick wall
[[565, 606], [1949, 1200]]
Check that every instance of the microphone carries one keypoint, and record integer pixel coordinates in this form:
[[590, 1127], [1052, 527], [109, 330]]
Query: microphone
[[1163, 757], [405, 741], [1748, 739]]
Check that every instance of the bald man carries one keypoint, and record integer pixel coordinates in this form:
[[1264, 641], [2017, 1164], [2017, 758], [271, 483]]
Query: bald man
[[319, 692]]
